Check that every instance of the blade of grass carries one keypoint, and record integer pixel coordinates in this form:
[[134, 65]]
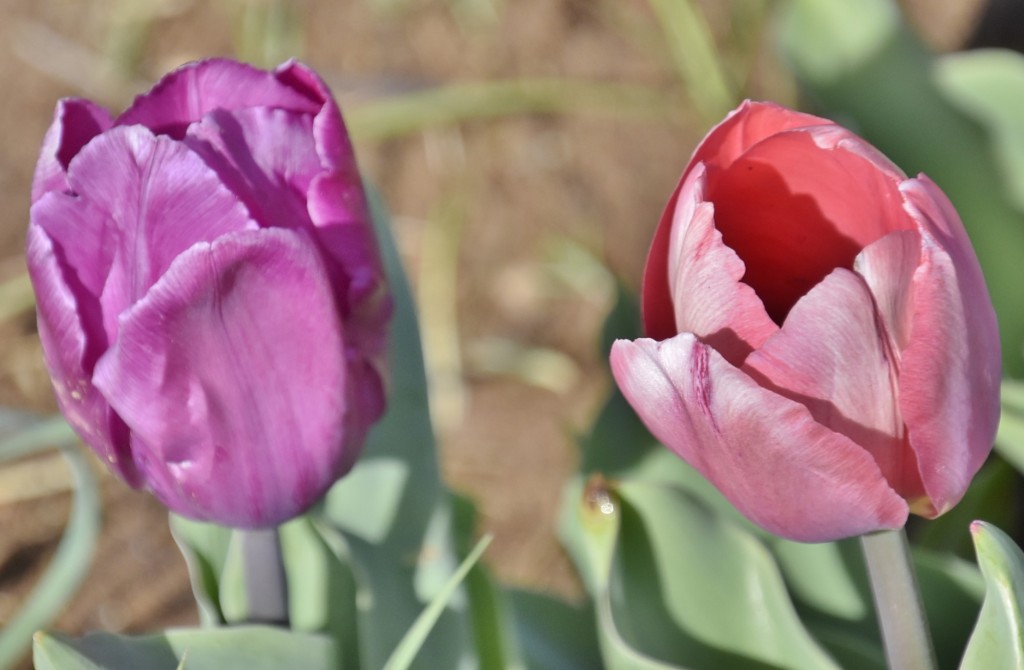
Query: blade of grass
[[406, 651]]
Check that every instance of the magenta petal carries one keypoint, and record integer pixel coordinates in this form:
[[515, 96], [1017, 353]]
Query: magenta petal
[[833, 355], [231, 375], [332, 140], [766, 453], [70, 355], [127, 242], [75, 122], [266, 157], [193, 90], [951, 364], [704, 279]]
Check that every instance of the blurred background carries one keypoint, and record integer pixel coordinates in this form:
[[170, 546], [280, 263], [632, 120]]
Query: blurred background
[[524, 148]]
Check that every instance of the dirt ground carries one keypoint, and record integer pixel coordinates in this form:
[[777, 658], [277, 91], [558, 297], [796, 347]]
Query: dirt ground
[[506, 225]]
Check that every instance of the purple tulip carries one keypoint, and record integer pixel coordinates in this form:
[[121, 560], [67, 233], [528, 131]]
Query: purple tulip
[[211, 301]]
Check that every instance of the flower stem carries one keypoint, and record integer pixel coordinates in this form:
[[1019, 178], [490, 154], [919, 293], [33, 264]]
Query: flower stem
[[901, 614], [266, 585]]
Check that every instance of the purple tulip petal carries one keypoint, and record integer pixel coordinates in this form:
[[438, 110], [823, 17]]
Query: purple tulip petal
[[193, 90], [75, 122], [766, 453], [229, 374], [332, 140], [833, 356], [120, 245], [704, 277], [70, 356], [951, 365], [266, 157]]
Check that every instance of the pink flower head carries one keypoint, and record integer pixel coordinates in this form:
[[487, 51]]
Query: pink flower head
[[823, 348], [211, 302]]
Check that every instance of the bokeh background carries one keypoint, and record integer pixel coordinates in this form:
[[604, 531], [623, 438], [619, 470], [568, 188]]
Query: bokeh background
[[525, 149]]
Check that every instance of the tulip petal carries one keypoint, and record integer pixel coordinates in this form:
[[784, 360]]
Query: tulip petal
[[800, 204], [833, 356], [71, 354], [744, 127], [120, 245], [766, 453], [704, 278], [266, 157], [195, 89], [332, 139], [75, 122], [231, 369], [951, 364]]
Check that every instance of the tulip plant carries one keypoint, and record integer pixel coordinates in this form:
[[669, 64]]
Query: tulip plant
[[814, 357]]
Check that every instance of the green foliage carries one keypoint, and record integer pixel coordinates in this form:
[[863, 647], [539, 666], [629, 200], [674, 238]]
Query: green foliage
[[998, 639], [241, 648], [67, 569]]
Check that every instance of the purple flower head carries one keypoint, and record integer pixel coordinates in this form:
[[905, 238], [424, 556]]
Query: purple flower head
[[211, 301]]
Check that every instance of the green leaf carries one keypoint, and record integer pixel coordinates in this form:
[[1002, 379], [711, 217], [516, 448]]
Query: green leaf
[[74, 554], [998, 638], [678, 585], [986, 85], [241, 648], [205, 548], [1010, 438], [552, 634], [412, 643], [391, 514]]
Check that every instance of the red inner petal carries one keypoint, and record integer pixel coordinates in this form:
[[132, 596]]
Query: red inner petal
[[794, 211]]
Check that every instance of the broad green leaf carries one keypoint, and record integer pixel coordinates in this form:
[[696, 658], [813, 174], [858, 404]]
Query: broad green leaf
[[885, 87], [987, 85], [392, 512], [1010, 438], [998, 638], [678, 585], [205, 549], [74, 554], [321, 589], [233, 648], [412, 643], [554, 635]]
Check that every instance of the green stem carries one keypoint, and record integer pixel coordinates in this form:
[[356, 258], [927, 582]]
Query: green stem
[[901, 614], [266, 585]]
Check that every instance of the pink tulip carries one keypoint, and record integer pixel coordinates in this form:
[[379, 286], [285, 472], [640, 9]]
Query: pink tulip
[[823, 348], [211, 303]]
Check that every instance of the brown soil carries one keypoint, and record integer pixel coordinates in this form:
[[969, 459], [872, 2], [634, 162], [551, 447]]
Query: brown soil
[[526, 192]]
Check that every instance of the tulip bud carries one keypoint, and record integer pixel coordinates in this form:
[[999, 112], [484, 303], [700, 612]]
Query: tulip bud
[[211, 303], [822, 345]]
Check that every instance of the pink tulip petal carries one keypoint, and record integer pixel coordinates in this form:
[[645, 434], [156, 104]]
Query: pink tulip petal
[[766, 453], [71, 354], [75, 122], [230, 370], [888, 267], [951, 365], [800, 204], [193, 90], [128, 242], [833, 356], [704, 276], [744, 127]]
